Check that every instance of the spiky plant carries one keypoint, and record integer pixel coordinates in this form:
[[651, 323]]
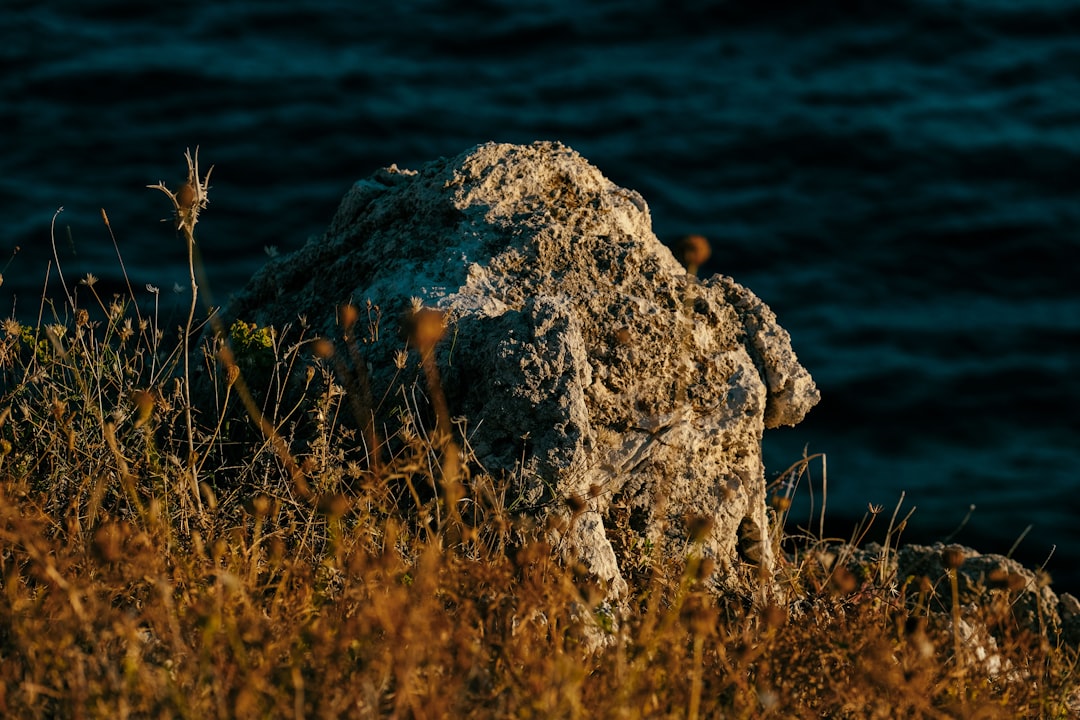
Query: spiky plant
[[188, 201]]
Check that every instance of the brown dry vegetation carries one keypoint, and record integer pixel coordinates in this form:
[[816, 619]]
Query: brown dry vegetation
[[308, 580]]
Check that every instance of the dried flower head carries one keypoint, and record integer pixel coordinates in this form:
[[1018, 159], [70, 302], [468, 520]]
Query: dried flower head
[[576, 503], [426, 328], [191, 197], [260, 505], [144, 406], [185, 196], [1000, 578], [347, 315], [323, 348], [692, 251], [699, 526], [953, 557]]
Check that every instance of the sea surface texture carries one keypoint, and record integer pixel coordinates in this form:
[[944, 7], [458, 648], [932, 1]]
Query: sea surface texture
[[898, 180]]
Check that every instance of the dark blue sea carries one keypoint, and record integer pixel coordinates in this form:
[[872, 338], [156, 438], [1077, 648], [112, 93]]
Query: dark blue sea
[[899, 180]]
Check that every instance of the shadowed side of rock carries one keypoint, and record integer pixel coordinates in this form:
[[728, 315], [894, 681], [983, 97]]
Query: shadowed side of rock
[[589, 364]]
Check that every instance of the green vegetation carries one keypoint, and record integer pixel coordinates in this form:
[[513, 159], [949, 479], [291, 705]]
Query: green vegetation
[[320, 570]]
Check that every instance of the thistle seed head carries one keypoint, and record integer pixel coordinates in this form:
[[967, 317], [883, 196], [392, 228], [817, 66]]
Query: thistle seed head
[[185, 196], [189, 198]]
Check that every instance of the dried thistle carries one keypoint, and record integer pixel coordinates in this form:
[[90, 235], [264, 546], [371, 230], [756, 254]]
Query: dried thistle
[[232, 374], [191, 197], [12, 328], [188, 200]]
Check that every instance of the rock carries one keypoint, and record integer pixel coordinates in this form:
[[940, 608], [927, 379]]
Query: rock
[[981, 578], [589, 364], [989, 588], [1069, 609]]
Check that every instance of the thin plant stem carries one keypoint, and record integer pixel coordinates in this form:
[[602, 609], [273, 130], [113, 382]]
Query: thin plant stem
[[188, 235], [123, 269]]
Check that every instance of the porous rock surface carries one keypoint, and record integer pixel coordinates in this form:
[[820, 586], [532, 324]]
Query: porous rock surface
[[989, 587], [588, 362], [981, 578]]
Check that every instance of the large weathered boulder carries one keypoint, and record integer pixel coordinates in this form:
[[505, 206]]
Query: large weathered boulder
[[589, 364]]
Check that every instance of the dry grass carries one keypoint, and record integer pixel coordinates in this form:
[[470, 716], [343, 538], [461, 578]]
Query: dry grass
[[314, 577]]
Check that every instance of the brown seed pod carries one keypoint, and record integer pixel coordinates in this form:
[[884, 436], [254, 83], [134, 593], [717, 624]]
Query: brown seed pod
[[1000, 578], [185, 196], [953, 557], [144, 406], [693, 250], [780, 503], [426, 328], [699, 527], [576, 503], [347, 315]]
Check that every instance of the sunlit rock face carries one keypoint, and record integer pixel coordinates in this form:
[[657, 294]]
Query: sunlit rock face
[[620, 395]]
